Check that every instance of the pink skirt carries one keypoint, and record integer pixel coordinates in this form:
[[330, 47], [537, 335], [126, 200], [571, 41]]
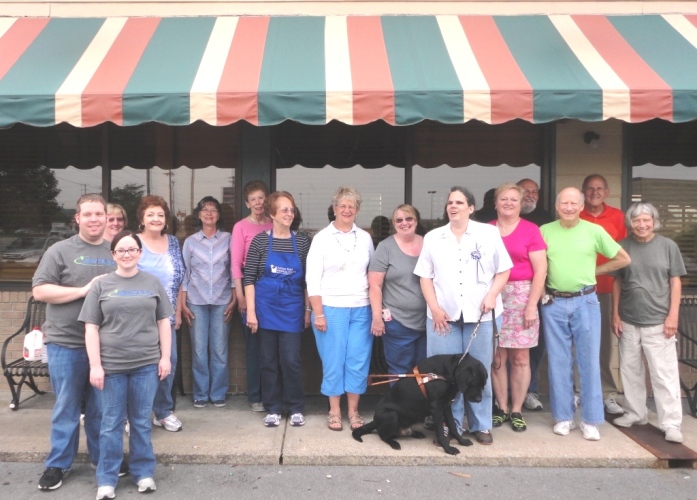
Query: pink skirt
[[513, 333]]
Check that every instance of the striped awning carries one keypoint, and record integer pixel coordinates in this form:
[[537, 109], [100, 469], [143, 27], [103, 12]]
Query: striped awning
[[400, 69]]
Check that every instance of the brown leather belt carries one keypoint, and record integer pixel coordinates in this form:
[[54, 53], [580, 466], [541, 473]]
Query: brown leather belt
[[568, 295]]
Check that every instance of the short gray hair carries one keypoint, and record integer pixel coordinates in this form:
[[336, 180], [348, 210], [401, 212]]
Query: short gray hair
[[348, 193], [642, 207]]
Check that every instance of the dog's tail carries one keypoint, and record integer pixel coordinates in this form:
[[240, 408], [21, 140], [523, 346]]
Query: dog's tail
[[363, 430]]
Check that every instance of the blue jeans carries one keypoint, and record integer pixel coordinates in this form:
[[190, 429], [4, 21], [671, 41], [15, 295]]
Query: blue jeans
[[209, 346], [281, 375], [69, 369], [251, 352], [575, 322], [163, 406], [345, 350], [455, 342], [132, 391], [404, 347]]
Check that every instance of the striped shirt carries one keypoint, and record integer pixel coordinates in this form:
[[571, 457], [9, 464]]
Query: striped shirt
[[207, 278], [259, 251]]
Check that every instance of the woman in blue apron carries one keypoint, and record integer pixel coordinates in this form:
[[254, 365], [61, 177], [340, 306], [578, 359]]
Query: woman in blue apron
[[278, 309]]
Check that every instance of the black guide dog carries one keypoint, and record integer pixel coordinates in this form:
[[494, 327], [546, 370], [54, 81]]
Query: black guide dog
[[405, 404]]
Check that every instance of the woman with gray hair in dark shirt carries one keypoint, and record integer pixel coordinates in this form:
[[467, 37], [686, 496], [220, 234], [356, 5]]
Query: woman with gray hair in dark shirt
[[645, 303]]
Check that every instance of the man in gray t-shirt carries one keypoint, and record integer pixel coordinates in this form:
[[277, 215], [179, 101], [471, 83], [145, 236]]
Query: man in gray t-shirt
[[64, 276]]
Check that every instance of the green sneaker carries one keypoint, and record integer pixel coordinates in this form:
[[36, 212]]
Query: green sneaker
[[517, 422], [499, 417]]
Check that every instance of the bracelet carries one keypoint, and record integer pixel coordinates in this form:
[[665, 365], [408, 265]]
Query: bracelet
[[308, 309], [320, 316]]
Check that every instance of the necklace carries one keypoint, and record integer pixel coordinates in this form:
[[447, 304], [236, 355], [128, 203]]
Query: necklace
[[349, 252], [504, 228], [254, 221]]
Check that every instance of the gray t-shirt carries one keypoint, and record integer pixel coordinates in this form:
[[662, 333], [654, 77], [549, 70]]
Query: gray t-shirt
[[127, 311], [401, 290], [645, 297], [72, 262]]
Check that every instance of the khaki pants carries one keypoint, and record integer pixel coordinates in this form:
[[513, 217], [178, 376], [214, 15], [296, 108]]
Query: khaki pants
[[662, 357]]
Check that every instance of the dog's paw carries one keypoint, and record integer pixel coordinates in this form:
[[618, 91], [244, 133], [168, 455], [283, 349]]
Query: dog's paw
[[394, 444], [417, 434], [464, 441], [451, 450]]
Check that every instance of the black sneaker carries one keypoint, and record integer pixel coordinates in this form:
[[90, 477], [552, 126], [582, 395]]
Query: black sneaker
[[52, 478], [200, 403], [124, 470], [517, 422], [428, 423], [499, 417]]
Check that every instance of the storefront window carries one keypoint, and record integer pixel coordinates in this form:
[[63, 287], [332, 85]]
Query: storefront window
[[37, 205], [432, 186], [37, 209], [382, 189], [672, 191]]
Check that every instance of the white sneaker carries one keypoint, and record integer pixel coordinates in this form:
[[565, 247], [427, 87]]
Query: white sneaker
[[627, 421], [590, 432], [272, 420], [127, 428], [532, 402], [297, 419], [171, 423], [105, 492], [612, 407], [146, 485], [577, 401], [564, 427], [673, 435]]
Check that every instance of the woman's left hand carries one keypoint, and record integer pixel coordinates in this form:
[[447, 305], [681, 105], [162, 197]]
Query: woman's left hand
[[164, 368], [530, 315], [187, 314], [488, 304], [308, 319], [177, 320], [230, 309], [670, 327], [97, 377]]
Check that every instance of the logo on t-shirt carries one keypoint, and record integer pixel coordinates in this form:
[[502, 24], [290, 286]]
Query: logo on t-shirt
[[282, 270], [93, 261], [130, 294]]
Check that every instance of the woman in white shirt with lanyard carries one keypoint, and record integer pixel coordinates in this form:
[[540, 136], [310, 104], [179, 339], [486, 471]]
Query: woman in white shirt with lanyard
[[337, 284], [463, 268]]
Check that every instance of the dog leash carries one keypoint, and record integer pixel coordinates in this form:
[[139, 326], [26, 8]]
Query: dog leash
[[495, 337]]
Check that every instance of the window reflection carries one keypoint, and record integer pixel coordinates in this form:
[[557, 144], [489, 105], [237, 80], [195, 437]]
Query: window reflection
[[672, 191]]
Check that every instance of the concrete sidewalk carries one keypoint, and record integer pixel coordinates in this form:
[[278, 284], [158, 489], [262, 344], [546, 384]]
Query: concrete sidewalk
[[236, 435]]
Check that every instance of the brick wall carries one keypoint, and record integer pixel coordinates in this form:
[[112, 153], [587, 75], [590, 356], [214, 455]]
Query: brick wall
[[13, 307]]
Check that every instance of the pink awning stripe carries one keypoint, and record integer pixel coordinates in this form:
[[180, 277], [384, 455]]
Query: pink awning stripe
[[650, 96], [373, 92], [17, 39], [511, 94], [237, 92], [103, 97]]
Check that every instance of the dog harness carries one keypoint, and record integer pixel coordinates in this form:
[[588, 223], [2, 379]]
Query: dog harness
[[420, 379]]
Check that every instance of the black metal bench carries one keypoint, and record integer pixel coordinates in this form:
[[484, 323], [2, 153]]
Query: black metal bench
[[20, 372], [687, 345]]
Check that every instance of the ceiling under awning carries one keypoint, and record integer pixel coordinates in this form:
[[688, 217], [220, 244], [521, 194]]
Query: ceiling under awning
[[355, 69]]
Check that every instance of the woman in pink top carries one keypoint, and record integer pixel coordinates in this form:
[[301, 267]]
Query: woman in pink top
[[521, 324], [243, 232]]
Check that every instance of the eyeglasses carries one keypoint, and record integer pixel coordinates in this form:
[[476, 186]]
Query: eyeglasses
[[123, 251], [407, 219], [210, 210], [115, 219], [286, 210], [346, 207]]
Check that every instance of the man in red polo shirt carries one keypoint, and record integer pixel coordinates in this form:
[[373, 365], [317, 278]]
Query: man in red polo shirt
[[595, 190]]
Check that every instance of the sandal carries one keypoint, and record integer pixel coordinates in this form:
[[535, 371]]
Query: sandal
[[334, 422], [356, 421]]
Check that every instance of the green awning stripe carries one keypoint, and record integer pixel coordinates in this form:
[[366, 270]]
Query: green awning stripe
[[292, 84], [160, 86]]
